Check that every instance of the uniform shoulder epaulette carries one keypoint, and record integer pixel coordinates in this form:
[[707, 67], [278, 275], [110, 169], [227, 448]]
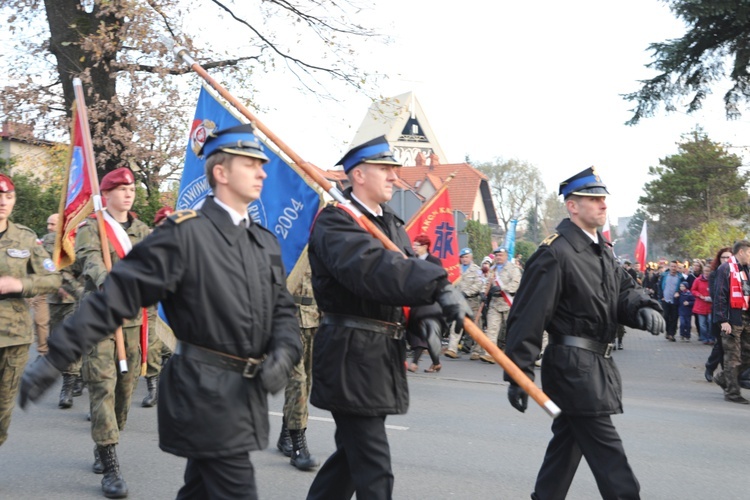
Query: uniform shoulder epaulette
[[21, 226], [549, 239], [182, 215]]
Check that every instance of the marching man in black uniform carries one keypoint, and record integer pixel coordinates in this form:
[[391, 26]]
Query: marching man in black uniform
[[573, 288], [359, 352], [221, 281]]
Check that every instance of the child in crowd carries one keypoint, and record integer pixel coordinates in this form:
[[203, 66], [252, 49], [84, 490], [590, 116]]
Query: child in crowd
[[685, 310]]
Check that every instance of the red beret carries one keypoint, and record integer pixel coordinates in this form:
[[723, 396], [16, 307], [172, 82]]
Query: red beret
[[6, 185], [162, 214], [120, 177]]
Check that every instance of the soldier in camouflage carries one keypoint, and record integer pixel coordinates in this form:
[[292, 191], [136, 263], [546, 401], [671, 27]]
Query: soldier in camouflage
[[505, 277], [62, 303], [157, 350], [26, 270], [109, 390], [471, 285], [292, 441]]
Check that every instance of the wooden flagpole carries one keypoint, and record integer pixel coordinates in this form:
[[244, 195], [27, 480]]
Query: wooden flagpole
[[88, 151], [470, 327]]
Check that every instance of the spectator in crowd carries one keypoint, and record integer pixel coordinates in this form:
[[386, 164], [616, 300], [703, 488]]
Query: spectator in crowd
[[716, 357], [731, 312], [651, 281], [685, 309], [669, 292], [702, 305]]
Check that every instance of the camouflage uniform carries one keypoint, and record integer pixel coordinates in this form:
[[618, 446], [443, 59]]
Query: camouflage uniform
[[156, 348], [471, 285], [109, 390], [62, 302], [298, 388], [40, 318], [23, 258], [509, 277]]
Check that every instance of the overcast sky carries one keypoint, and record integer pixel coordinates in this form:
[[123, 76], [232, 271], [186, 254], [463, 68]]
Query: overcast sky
[[539, 81]]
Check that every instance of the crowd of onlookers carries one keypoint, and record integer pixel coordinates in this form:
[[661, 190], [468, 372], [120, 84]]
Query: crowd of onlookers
[[712, 295]]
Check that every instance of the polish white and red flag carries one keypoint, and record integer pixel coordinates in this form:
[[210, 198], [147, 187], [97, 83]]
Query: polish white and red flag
[[606, 231], [641, 248]]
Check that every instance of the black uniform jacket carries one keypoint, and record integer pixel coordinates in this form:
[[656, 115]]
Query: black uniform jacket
[[723, 312], [223, 288], [356, 371], [572, 286]]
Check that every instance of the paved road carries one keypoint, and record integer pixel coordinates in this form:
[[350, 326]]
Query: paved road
[[460, 439]]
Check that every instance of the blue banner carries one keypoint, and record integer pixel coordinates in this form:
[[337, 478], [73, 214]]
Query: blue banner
[[287, 205], [510, 239]]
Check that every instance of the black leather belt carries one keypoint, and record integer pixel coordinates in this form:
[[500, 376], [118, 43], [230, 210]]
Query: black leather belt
[[392, 330], [304, 301], [582, 343], [248, 367]]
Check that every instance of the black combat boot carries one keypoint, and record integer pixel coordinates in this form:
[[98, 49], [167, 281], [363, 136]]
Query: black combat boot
[[285, 440], [153, 392], [77, 386], [113, 485], [66, 393], [98, 466], [301, 457]]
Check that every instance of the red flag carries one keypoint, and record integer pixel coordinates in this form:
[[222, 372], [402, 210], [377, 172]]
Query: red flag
[[641, 248], [75, 199], [435, 219]]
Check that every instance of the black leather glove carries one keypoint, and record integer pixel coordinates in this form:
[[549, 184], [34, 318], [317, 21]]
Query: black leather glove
[[518, 398], [36, 379], [276, 370], [494, 291], [651, 320], [454, 305]]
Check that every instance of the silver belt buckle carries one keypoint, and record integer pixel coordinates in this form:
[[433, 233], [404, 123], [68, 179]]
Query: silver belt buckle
[[608, 350], [252, 367]]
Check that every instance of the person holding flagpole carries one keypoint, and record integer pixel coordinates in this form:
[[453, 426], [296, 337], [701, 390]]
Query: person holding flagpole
[[110, 391], [220, 279], [26, 270], [359, 351]]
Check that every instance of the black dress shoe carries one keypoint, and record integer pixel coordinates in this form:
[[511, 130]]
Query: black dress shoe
[[709, 374]]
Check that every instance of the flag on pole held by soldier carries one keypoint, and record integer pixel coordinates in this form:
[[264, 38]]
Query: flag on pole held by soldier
[[288, 204], [75, 199], [435, 219]]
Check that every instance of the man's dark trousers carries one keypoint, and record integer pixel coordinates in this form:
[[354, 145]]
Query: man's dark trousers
[[670, 316], [214, 478], [596, 439], [361, 462]]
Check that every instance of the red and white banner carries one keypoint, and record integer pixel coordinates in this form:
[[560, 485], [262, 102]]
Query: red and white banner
[[606, 231], [641, 248]]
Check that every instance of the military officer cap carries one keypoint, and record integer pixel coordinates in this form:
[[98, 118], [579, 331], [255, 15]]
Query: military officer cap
[[376, 151], [464, 251], [584, 183], [118, 177], [239, 140], [6, 185]]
